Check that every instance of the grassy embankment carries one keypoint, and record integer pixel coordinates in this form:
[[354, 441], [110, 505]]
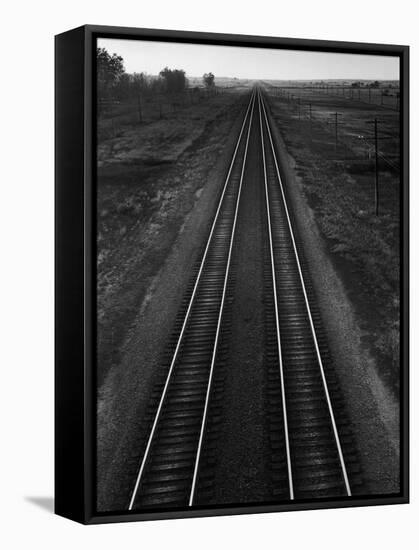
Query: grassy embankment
[[339, 185], [149, 176]]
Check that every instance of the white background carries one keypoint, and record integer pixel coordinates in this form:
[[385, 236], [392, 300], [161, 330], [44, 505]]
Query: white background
[[26, 275]]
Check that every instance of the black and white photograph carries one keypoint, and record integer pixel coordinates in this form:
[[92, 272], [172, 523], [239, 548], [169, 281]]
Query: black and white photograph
[[209, 272], [248, 275]]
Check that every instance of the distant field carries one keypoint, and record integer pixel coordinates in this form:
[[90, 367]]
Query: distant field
[[223, 82], [115, 117], [150, 174], [386, 95], [338, 178]]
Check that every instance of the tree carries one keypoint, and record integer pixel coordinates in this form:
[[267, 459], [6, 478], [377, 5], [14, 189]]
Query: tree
[[123, 87], [208, 80], [139, 83], [174, 79], [109, 69]]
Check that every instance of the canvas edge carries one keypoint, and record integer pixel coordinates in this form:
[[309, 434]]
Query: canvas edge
[[85, 512]]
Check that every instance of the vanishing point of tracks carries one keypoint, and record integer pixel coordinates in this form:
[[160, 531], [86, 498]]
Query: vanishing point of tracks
[[310, 440]]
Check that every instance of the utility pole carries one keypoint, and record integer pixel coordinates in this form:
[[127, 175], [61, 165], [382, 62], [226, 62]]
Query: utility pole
[[336, 130], [336, 124], [376, 190], [310, 117], [376, 165], [369, 95], [299, 108]]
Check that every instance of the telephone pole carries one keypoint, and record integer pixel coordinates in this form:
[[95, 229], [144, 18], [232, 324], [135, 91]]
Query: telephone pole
[[376, 165], [336, 130], [376, 190], [310, 115], [336, 124]]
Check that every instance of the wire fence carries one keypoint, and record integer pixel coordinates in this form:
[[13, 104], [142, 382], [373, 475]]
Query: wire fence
[[386, 97], [345, 126], [368, 135], [115, 116]]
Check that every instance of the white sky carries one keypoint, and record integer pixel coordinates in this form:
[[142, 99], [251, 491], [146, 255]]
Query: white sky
[[255, 63]]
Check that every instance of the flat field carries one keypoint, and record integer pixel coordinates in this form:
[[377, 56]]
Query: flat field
[[150, 175], [335, 164]]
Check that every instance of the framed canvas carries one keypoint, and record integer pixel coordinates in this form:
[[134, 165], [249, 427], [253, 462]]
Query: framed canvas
[[231, 274]]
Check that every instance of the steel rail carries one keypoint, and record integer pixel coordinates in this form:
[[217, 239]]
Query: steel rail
[[185, 321], [313, 331], [220, 315], [278, 334]]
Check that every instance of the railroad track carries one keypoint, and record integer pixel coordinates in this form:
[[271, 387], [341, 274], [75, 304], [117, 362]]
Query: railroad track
[[313, 447], [311, 443], [168, 472]]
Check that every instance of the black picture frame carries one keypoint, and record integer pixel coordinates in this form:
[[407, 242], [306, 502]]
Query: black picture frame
[[75, 248]]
